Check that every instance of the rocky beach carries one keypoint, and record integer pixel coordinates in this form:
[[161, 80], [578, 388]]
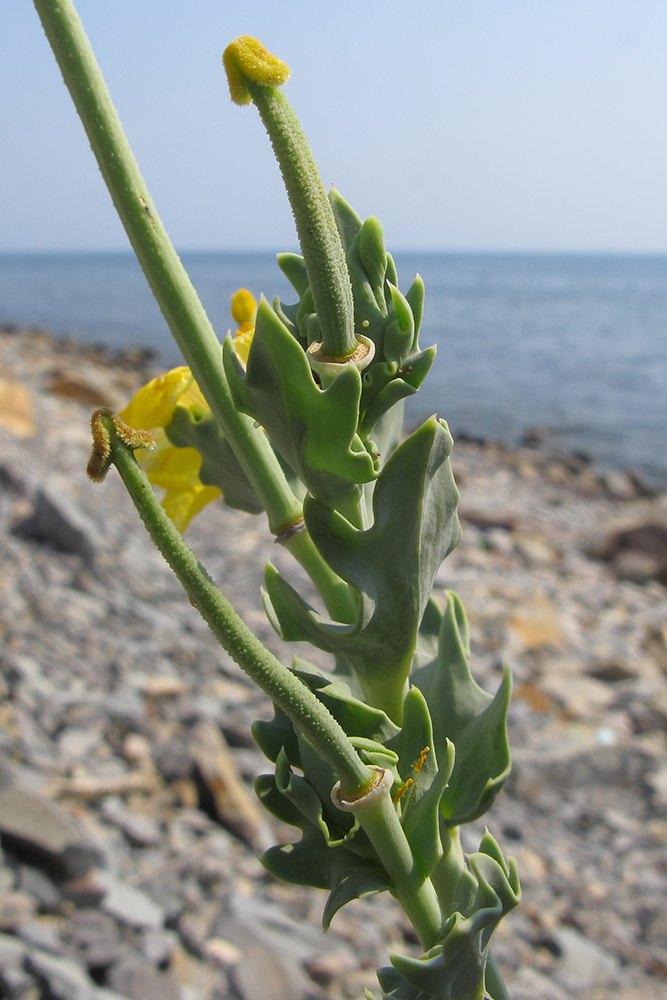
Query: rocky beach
[[130, 833]]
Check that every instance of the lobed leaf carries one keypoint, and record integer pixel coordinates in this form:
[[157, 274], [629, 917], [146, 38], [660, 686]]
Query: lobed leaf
[[313, 429], [475, 721], [391, 565]]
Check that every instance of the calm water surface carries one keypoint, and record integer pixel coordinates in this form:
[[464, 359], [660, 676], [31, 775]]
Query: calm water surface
[[573, 343]]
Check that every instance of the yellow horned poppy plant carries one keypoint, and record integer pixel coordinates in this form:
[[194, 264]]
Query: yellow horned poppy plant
[[174, 469]]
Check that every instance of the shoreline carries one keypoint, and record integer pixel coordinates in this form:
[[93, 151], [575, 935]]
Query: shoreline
[[122, 715], [535, 445]]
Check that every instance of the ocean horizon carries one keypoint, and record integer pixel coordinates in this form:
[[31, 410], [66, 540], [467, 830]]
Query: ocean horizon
[[571, 344]]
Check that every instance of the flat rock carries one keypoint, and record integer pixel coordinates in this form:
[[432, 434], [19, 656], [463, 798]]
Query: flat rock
[[141, 830], [582, 963], [129, 905], [63, 977], [262, 974], [635, 547], [40, 831], [138, 980], [530, 984], [42, 888], [59, 520]]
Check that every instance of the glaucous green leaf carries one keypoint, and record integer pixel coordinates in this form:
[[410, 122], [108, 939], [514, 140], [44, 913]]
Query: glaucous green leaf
[[391, 565], [419, 764], [475, 721], [455, 968], [313, 429]]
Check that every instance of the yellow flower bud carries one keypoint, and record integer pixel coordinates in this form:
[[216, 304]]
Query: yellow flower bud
[[244, 307], [244, 310], [245, 57]]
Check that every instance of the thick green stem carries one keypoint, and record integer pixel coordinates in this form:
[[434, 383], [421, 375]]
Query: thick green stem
[[336, 594], [311, 717], [169, 282], [377, 815], [318, 236], [383, 693]]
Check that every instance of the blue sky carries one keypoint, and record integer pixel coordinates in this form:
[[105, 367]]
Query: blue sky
[[461, 124]]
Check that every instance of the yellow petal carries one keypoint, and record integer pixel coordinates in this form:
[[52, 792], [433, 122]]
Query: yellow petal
[[154, 404], [244, 306], [182, 504], [242, 342], [170, 467]]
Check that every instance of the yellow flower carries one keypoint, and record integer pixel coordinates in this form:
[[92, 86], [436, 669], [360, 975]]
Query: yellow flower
[[174, 469]]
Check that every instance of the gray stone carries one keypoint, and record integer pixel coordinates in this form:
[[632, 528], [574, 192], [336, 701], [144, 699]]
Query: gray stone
[[255, 919], [141, 830], [530, 984], [104, 993], [637, 550], [157, 946], [59, 520], [263, 974], [582, 963], [78, 743], [137, 980], [38, 884], [42, 932], [13, 978], [11, 949], [39, 830], [17, 984], [64, 978], [95, 938], [129, 905], [173, 759]]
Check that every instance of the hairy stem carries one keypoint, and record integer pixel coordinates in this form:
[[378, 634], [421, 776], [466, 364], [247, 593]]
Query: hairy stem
[[320, 243]]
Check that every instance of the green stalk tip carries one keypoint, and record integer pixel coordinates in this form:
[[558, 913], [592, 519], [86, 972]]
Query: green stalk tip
[[254, 77]]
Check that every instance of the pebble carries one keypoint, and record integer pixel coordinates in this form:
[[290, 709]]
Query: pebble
[[129, 905], [118, 878]]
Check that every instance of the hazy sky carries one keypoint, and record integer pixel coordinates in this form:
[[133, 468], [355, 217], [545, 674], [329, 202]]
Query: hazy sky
[[461, 124]]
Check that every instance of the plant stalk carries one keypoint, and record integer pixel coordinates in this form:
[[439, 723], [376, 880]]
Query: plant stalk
[[321, 246], [166, 276], [336, 594], [377, 815], [285, 689]]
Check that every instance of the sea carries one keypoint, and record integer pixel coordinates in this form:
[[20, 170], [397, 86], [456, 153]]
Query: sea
[[571, 346]]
